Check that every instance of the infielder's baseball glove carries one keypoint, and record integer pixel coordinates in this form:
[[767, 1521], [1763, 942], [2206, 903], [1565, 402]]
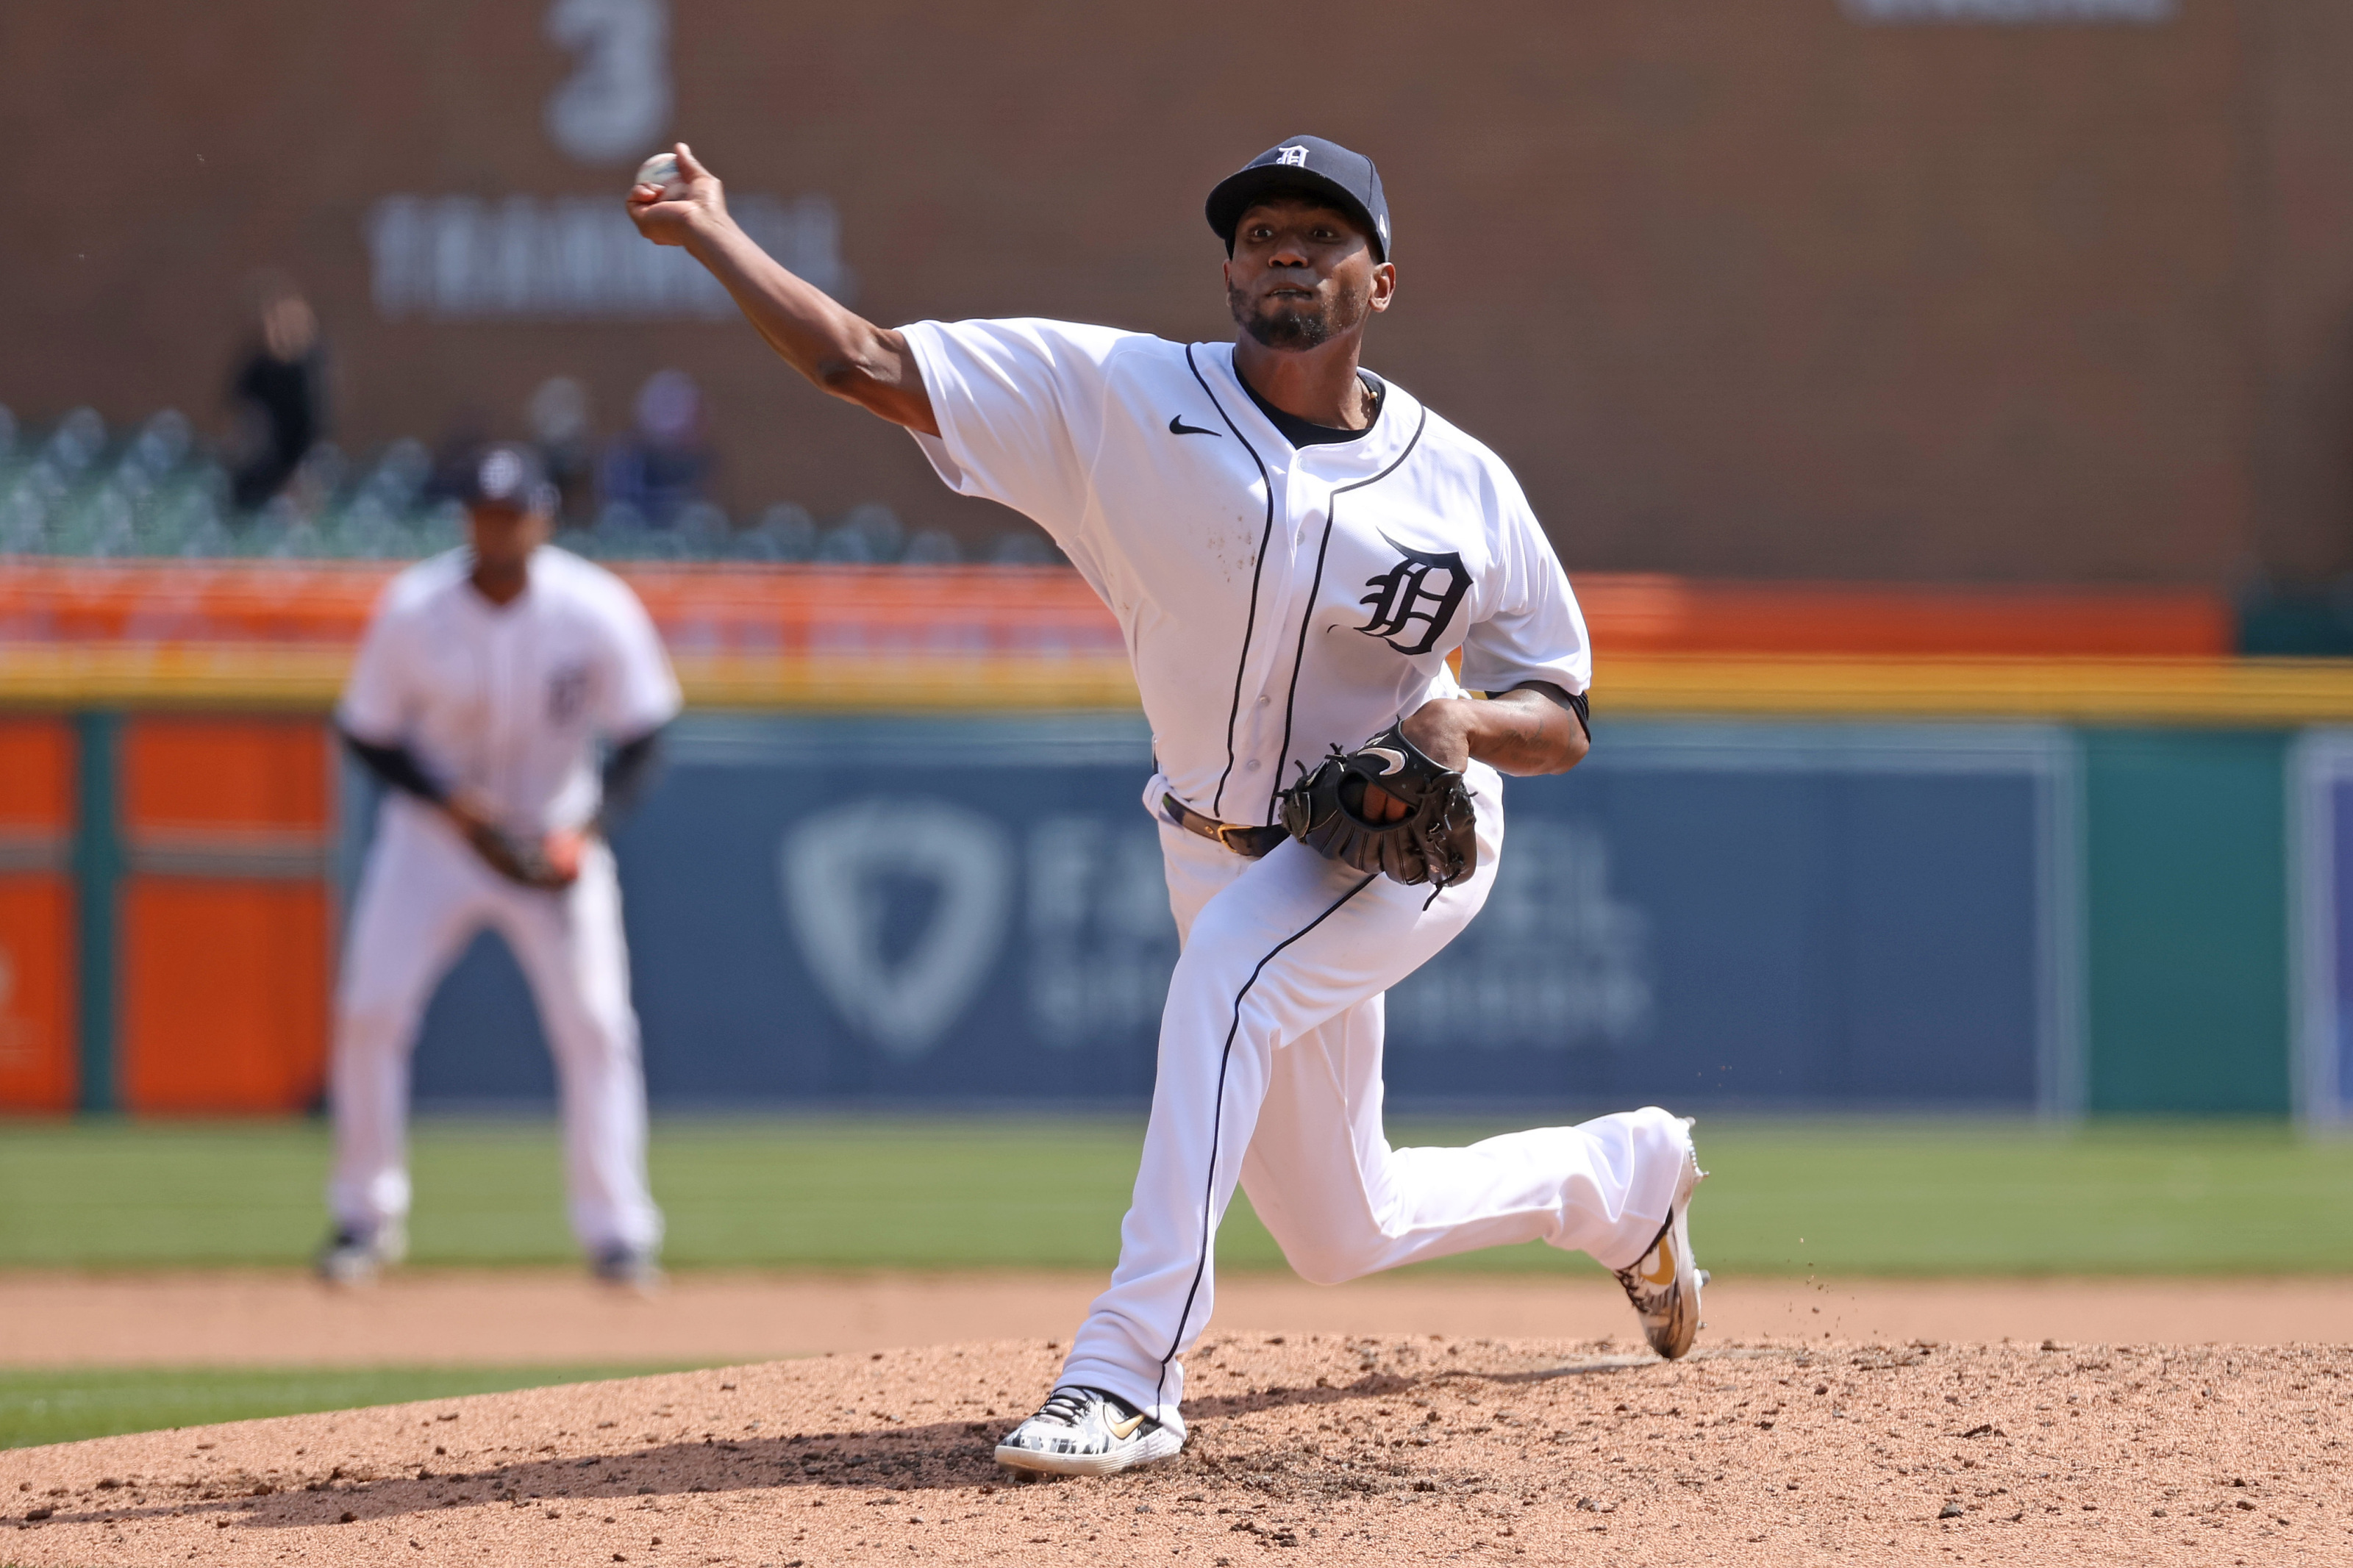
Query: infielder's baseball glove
[[1435, 841], [523, 860]]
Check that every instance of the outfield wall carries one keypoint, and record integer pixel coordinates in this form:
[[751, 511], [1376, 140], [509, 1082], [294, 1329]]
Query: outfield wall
[[1707, 913], [1745, 910]]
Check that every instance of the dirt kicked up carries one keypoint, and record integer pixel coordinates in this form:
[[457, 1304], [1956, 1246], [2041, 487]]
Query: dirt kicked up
[[1317, 1448]]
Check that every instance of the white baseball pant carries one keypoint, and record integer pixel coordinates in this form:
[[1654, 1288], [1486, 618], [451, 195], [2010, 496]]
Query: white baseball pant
[[1270, 1072], [423, 896]]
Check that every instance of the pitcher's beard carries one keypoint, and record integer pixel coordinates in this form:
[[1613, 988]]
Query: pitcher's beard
[[1291, 327]]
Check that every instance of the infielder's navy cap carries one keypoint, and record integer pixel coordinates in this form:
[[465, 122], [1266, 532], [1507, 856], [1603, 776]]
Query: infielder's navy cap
[[509, 476], [1305, 163]]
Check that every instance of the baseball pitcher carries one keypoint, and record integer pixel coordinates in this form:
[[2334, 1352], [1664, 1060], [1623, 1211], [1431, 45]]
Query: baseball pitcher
[[484, 686], [1295, 547]]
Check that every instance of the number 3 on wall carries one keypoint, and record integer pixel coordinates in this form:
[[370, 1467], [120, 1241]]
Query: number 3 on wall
[[618, 101]]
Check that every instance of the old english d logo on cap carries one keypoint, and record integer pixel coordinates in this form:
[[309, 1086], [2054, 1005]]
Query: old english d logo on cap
[[1330, 171]]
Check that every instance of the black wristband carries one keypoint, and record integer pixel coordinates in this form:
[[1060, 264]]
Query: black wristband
[[1577, 702]]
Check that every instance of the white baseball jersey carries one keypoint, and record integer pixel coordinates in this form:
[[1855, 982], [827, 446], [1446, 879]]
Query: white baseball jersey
[[1275, 601], [1278, 600], [508, 701]]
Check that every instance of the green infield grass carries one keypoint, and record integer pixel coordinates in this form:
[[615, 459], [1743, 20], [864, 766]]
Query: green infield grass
[[1926, 1197], [46, 1404]]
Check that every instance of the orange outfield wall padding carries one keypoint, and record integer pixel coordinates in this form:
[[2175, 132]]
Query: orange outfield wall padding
[[37, 776], [225, 774], [39, 1070], [39, 1066], [789, 610], [224, 976], [225, 995], [1636, 616]]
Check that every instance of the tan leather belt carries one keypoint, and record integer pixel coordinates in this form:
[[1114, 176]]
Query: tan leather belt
[[1251, 843]]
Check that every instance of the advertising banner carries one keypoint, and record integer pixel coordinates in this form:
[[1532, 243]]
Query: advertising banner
[[972, 911]]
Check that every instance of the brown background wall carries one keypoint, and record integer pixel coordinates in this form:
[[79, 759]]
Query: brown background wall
[[1739, 287]]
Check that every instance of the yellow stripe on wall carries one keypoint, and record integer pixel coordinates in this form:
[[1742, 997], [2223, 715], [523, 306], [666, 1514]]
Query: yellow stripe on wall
[[301, 677], [199, 675], [306, 678], [2202, 692]]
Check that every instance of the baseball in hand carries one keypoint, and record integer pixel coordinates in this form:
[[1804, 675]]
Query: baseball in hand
[[662, 170], [564, 848]]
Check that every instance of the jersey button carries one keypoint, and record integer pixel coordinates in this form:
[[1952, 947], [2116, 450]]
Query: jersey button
[[1264, 700], [1251, 766]]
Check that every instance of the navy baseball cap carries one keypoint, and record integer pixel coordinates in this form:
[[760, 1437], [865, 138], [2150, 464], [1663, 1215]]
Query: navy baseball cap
[[508, 476], [1307, 164]]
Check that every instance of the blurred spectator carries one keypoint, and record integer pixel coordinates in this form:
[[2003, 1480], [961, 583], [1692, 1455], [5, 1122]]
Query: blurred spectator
[[558, 413], [278, 393], [661, 464]]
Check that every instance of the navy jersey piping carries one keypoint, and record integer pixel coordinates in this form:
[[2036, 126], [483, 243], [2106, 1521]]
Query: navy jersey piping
[[1250, 624], [1331, 512]]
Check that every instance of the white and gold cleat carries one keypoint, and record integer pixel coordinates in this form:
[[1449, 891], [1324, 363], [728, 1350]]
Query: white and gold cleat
[[1086, 1432], [1663, 1283]]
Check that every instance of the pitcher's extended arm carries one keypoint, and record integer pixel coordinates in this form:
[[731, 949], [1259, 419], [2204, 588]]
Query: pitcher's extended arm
[[838, 349]]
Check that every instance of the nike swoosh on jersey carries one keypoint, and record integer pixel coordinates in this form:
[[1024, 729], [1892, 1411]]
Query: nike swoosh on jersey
[[1395, 758], [1123, 1430], [1176, 427]]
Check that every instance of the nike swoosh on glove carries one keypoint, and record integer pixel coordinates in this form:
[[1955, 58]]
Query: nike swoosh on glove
[[1437, 839]]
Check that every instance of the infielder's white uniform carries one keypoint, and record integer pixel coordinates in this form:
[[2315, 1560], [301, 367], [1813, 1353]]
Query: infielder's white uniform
[[506, 702], [1277, 601]]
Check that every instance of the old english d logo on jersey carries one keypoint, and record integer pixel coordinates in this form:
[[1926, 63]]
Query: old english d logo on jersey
[[567, 693], [1423, 587]]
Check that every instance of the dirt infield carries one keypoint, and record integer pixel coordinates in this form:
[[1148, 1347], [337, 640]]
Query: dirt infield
[[1341, 1449], [555, 1317]]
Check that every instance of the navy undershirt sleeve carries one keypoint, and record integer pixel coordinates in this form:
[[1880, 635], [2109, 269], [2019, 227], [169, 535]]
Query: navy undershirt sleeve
[[629, 772], [395, 766]]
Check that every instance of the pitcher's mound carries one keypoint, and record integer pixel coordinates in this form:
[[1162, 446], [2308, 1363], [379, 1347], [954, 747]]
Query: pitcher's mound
[[1348, 1449]]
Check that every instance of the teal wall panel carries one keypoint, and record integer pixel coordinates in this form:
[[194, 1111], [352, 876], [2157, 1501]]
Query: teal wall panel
[[98, 871], [2186, 970]]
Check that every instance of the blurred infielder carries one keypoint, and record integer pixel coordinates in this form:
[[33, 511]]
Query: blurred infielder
[[483, 687], [1294, 547]]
